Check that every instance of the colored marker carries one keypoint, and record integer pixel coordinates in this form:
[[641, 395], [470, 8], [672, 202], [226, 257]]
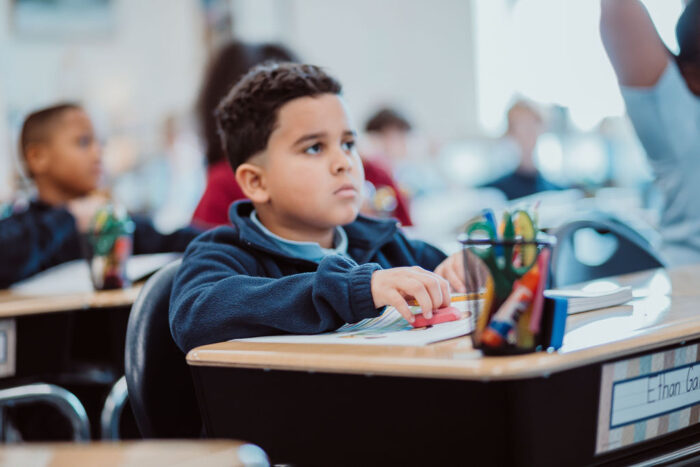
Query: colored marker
[[507, 315]]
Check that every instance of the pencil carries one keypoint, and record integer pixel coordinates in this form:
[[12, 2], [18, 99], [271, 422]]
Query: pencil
[[463, 297]]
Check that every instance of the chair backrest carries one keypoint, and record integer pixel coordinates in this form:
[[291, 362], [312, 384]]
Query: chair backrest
[[615, 248], [160, 386]]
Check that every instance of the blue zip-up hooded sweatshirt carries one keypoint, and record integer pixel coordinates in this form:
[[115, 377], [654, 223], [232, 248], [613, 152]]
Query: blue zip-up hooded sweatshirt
[[235, 282]]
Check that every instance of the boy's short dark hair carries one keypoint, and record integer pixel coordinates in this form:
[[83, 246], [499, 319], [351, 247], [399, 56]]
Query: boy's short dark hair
[[248, 113], [35, 128], [385, 119]]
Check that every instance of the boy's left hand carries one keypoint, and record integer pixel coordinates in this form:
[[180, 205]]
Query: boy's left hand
[[452, 269]]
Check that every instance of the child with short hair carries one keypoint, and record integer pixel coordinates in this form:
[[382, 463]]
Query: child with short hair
[[63, 157], [298, 258]]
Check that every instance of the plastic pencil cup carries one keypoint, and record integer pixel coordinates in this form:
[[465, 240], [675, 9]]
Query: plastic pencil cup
[[510, 275], [109, 245]]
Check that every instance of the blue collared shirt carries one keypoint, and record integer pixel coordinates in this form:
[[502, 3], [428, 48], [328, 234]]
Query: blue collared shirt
[[311, 251]]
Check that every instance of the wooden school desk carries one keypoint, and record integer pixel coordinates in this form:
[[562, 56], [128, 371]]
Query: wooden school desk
[[35, 330], [135, 453], [72, 339], [13, 304], [446, 404]]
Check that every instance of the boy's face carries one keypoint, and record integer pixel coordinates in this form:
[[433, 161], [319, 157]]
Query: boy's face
[[73, 155], [312, 173]]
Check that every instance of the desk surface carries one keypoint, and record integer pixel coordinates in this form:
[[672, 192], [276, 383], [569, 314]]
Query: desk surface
[[665, 311], [14, 304], [133, 453]]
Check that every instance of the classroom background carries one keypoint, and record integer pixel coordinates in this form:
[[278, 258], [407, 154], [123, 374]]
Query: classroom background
[[453, 68]]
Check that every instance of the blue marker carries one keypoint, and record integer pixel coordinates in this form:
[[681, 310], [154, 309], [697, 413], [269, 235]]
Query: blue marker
[[491, 220]]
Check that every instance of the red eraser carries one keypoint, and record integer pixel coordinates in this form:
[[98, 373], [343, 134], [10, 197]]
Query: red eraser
[[443, 315]]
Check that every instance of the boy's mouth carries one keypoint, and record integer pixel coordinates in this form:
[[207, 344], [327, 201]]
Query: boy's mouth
[[347, 189]]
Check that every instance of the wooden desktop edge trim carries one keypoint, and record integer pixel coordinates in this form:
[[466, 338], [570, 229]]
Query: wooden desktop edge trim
[[534, 365], [32, 305]]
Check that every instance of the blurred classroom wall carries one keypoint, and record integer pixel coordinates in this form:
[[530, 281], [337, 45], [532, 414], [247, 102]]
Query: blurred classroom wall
[[415, 54], [145, 65]]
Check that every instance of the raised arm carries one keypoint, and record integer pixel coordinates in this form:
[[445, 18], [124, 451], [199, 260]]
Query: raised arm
[[632, 43]]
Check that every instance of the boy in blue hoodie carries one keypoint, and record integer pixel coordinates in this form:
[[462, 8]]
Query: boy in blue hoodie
[[298, 258]]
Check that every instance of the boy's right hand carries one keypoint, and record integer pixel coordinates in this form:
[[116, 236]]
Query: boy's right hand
[[394, 286], [84, 210]]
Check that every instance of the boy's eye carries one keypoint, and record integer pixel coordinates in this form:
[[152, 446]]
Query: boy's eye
[[315, 149], [348, 145], [84, 141]]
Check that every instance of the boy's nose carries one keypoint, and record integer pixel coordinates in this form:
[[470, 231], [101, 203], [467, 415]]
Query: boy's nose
[[342, 162]]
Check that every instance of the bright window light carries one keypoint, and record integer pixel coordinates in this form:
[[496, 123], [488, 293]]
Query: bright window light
[[550, 51]]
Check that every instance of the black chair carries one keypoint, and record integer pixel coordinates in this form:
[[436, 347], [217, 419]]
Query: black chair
[[630, 251], [161, 392]]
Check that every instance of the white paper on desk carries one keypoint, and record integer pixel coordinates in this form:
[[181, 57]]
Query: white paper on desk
[[74, 276], [388, 329]]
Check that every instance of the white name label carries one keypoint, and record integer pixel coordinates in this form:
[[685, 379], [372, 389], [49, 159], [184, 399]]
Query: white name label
[[654, 395], [645, 397]]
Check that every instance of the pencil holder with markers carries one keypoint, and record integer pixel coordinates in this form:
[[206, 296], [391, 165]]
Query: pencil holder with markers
[[110, 243], [507, 264]]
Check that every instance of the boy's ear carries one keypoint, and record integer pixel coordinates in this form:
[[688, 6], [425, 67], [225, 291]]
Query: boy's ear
[[251, 179], [37, 158]]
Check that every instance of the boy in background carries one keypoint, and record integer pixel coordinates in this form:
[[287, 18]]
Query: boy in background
[[63, 157], [298, 258], [525, 126]]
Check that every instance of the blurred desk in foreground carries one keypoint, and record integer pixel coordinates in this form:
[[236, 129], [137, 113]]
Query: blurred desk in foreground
[[446, 403], [152, 453]]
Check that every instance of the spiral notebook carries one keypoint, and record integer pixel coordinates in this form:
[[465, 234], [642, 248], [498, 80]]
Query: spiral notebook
[[580, 300]]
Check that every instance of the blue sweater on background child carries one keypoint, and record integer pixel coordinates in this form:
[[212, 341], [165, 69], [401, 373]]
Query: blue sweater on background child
[[39, 236]]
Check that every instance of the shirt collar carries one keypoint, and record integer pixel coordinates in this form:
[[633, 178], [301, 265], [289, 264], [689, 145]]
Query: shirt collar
[[311, 251]]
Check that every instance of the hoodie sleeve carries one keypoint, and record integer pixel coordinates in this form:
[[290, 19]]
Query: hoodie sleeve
[[429, 257], [30, 240], [218, 295], [149, 240], [422, 254]]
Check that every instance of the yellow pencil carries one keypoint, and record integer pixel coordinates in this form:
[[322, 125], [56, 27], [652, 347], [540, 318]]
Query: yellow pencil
[[463, 297]]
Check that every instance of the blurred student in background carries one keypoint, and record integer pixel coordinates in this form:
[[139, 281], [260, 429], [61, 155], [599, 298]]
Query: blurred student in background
[[661, 92], [383, 197], [62, 156], [388, 131], [525, 125], [229, 65]]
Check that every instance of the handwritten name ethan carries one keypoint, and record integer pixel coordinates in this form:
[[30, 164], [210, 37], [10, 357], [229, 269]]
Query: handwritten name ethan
[[650, 396], [659, 388]]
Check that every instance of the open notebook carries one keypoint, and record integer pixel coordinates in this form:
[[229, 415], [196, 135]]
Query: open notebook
[[390, 328]]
